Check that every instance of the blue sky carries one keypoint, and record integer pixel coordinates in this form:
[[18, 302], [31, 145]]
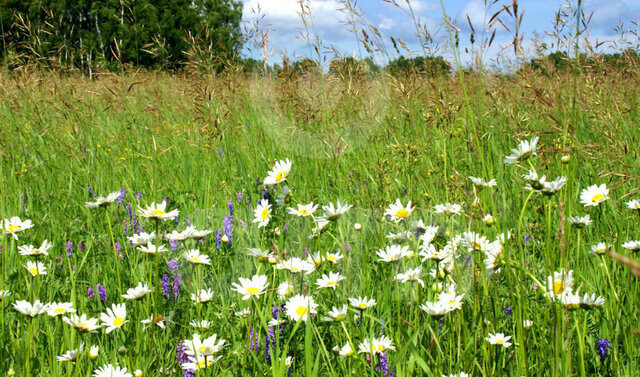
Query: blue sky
[[330, 24]]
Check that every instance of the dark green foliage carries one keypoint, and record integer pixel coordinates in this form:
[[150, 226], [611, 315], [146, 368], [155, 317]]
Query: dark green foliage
[[88, 34], [557, 62], [432, 66]]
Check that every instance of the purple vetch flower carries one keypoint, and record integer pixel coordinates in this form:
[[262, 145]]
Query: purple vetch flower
[[69, 248], [165, 285], [102, 292], [384, 366], [526, 239], [346, 247], [174, 244], [126, 227], [83, 246], [121, 197], [117, 245], [175, 221], [227, 224], [239, 197], [254, 343], [188, 221], [90, 293], [306, 252], [173, 265], [182, 357], [230, 207], [242, 224], [176, 286], [603, 346], [286, 226], [265, 194], [138, 195], [218, 239], [509, 309], [440, 325]]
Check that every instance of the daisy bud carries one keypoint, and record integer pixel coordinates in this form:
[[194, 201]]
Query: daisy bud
[[489, 220], [565, 159], [224, 239], [357, 226], [11, 372], [122, 350], [437, 287]]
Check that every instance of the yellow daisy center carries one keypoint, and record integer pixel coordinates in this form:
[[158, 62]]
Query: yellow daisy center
[[597, 198], [205, 350], [59, 311], [331, 258], [362, 305], [265, 214], [302, 311], [34, 271], [253, 290], [331, 283], [281, 175], [158, 319], [303, 212], [451, 302], [558, 287], [340, 317], [499, 341], [195, 260], [13, 228], [476, 245], [204, 364], [638, 205], [83, 325], [118, 321], [294, 269], [402, 213], [157, 212]]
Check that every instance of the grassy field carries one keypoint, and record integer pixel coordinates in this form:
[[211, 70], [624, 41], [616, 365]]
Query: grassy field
[[205, 144]]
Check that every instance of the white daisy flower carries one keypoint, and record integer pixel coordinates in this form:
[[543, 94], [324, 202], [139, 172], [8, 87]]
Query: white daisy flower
[[376, 345], [296, 265], [70, 355], [333, 257], [4, 294], [581, 221], [333, 213], [551, 187], [283, 197], [393, 253], [152, 249], [94, 352], [158, 320], [59, 308], [336, 314], [253, 287], [193, 256], [262, 213], [362, 303], [480, 182], [299, 307], [436, 309], [634, 204], [279, 173], [29, 250], [203, 347], [525, 150], [109, 370], [202, 296], [594, 195], [499, 339], [204, 325], [284, 289], [303, 210], [82, 323], [36, 268], [14, 226], [344, 351], [397, 212], [410, 275], [560, 283], [633, 246], [320, 225], [527, 324], [400, 236], [244, 313], [430, 252], [200, 362], [158, 212], [588, 302], [30, 309], [329, 281], [102, 201], [142, 238], [137, 292], [448, 209], [115, 317], [599, 249], [262, 255], [534, 181]]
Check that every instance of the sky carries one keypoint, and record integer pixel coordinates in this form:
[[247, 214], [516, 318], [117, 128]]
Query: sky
[[331, 25]]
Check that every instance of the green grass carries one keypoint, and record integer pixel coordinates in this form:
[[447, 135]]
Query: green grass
[[202, 140]]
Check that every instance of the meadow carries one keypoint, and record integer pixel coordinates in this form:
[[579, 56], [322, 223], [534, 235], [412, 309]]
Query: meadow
[[466, 276]]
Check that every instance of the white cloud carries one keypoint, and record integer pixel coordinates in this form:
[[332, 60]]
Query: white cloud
[[607, 13]]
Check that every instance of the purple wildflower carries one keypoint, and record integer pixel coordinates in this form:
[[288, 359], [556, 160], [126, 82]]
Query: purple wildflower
[[384, 366], [121, 197], [165, 285], [239, 197], [102, 292], [173, 265], [509, 309], [230, 207], [69, 248], [603, 346], [254, 342], [346, 247], [218, 239], [138, 195], [90, 292], [117, 245], [174, 244], [227, 223], [188, 221], [176, 286]]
